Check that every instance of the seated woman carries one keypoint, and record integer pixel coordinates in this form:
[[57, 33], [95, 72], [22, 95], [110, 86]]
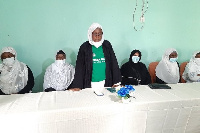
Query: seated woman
[[167, 70], [59, 75], [134, 72], [15, 76], [192, 70]]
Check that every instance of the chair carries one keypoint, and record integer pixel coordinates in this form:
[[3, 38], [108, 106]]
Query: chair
[[152, 71], [182, 69]]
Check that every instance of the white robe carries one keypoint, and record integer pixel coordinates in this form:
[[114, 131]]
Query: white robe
[[192, 70], [60, 77], [168, 71], [14, 79]]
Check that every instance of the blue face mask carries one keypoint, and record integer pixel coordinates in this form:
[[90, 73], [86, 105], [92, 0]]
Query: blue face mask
[[173, 59], [135, 59]]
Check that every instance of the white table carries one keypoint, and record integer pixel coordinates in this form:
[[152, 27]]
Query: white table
[[153, 111]]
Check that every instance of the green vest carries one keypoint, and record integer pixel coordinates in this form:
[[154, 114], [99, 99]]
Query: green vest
[[99, 64]]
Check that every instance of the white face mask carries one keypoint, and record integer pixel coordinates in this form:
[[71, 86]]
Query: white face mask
[[97, 44], [9, 61], [197, 60], [135, 59], [60, 63]]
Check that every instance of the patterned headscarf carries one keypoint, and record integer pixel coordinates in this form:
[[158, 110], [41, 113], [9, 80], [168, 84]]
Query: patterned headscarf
[[10, 50], [192, 69], [13, 79], [59, 76]]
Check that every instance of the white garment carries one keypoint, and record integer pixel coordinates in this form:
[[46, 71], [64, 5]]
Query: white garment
[[192, 69], [58, 63], [14, 78], [168, 71], [58, 77], [1, 67], [98, 86], [93, 27], [9, 61]]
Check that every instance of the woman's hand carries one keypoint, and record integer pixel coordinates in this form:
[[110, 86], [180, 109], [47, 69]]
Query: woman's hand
[[115, 86], [74, 89]]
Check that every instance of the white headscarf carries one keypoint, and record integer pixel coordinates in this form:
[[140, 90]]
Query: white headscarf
[[192, 69], [59, 75], [93, 27], [13, 79], [168, 71], [10, 50]]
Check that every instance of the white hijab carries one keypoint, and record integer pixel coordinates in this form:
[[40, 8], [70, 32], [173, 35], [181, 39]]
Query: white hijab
[[192, 67], [168, 71], [59, 75], [13, 79], [93, 27]]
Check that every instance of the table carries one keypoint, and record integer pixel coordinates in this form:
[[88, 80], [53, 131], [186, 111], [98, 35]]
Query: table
[[175, 110]]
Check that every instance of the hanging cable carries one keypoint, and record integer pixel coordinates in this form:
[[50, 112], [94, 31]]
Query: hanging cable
[[142, 18]]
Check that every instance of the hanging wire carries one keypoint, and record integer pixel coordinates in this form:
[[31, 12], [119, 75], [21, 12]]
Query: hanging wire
[[142, 19]]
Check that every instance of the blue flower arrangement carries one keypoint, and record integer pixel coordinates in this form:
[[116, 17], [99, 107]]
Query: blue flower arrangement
[[125, 91]]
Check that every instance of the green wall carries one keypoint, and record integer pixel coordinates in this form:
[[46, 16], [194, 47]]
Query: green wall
[[38, 28]]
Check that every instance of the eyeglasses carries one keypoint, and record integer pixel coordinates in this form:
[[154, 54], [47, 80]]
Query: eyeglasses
[[96, 35]]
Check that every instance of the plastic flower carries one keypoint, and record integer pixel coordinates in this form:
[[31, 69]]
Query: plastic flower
[[125, 91], [129, 87]]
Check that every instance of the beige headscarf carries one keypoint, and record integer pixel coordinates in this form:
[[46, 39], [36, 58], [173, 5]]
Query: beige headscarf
[[13, 79], [168, 71], [93, 27]]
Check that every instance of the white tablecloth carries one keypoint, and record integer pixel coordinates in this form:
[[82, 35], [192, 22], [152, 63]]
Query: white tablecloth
[[175, 110]]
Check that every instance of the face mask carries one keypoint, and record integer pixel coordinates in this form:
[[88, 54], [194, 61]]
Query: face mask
[[197, 60], [135, 59], [97, 44], [9, 61], [173, 59], [60, 63]]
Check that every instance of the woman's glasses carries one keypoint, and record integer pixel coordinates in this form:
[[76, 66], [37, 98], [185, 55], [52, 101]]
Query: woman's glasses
[[97, 34]]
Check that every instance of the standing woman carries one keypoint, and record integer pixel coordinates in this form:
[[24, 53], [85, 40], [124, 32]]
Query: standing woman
[[15, 76], [192, 70], [167, 70], [135, 72], [96, 64]]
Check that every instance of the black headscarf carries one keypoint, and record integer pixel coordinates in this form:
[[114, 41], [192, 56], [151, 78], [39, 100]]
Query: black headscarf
[[132, 53], [134, 73], [60, 52]]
